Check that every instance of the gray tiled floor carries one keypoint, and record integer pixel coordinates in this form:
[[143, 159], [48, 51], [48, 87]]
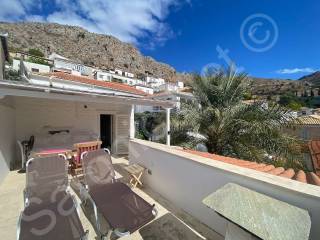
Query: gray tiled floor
[[11, 204]]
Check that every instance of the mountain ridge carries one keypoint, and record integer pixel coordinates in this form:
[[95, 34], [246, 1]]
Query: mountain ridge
[[92, 49], [313, 78], [107, 52]]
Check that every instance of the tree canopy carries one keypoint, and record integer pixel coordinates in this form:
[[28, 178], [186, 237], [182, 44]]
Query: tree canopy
[[230, 127]]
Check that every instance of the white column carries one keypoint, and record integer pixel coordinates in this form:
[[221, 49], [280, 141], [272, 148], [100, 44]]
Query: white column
[[132, 125], [168, 126]]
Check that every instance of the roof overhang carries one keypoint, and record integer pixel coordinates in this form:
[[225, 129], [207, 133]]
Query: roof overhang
[[22, 89]]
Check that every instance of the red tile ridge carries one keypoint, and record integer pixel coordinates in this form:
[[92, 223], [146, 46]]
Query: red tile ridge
[[289, 173], [301, 176], [276, 171], [266, 168], [256, 166], [262, 167], [314, 179]]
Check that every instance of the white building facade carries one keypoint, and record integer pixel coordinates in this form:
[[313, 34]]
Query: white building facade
[[31, 67]]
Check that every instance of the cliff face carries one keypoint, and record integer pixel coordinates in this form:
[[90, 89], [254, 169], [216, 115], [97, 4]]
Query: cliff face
[[96, 50]]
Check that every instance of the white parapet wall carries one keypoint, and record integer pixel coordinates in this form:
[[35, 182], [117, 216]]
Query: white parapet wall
[[7, 136], [185, 179]]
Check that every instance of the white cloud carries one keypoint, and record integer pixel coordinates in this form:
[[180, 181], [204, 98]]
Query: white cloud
[[11, 10], [128, 20], [296, 70]]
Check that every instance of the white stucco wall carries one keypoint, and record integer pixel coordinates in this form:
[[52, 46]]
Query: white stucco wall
[[145, 89], [186, 179], [42, 68], [33, 114], [7, 137], [2, 62]]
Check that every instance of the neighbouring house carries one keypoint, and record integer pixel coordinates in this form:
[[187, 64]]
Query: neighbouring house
[[103, 75], [154, 82], [4, 54], [177, 97], [123, 73], [305, 111], [127, 80], [30, 66], [307, 127], [62, 64], [144, 88], [171, 86], [117, 76]]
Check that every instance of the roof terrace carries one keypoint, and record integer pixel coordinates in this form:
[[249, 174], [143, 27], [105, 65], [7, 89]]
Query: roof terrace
[[177, 182]]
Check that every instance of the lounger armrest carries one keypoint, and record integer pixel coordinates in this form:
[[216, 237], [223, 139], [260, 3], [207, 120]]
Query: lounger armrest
[[19, 225], [154, 210], [25, 198], [107, 151], [119, 233]]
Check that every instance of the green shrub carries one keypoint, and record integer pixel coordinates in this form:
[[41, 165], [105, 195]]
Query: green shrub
[[35, 52], [38, 61], [12, 75]]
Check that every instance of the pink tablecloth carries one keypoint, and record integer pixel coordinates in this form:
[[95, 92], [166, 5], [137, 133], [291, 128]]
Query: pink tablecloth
[[53, 151]]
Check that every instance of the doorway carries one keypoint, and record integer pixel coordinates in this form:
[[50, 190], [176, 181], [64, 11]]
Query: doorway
[[106, 130]]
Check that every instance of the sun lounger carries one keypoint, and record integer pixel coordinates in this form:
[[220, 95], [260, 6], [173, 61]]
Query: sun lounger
[[50, 211], [123, 209]]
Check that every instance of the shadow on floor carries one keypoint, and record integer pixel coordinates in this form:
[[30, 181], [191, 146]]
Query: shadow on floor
[[168, 227]]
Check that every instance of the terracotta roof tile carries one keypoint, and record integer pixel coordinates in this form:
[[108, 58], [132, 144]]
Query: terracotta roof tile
[[314, 147], [314, 179], [276, 171], [300, 176], [265, 168], [110, 85], [289, 173], [309, 120]]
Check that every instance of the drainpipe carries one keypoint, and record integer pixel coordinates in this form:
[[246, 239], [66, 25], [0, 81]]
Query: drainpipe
[[168, 126]]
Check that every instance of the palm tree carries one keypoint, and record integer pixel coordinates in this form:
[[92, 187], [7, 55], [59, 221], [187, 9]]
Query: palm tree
[[231, 127]]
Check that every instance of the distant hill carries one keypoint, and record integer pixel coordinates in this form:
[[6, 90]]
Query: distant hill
[[107, 52], [270, 86], [96, 50], [313, 79]]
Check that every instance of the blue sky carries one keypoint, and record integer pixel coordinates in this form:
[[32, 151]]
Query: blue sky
[[265, 38]]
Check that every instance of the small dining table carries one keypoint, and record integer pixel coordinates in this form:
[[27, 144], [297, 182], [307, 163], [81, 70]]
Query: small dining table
[[52, 151]]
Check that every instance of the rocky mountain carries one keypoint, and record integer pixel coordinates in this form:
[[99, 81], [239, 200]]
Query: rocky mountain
[[96, 50], [107, 52], [269, 86], [312, 79]]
